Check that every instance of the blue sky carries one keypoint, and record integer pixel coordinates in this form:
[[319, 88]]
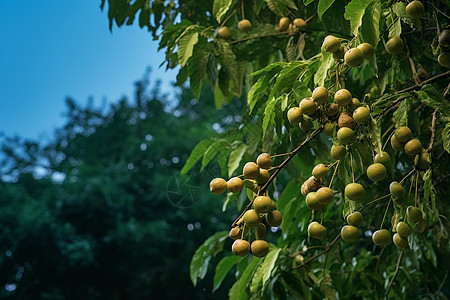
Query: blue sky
[[50, 50]]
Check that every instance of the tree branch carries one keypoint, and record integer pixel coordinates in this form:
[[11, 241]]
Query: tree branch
[[412, 64], [327, 249], [433, 130], [397, 267]]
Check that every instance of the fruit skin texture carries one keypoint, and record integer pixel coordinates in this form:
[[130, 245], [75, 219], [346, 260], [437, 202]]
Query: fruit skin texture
[[235, 233], [339, 54], [306, 124], [381, 237], [396, 145], [361, 115], [294, 115], [245, 25], [259, 248], [444, 38], [395, 45], [311, 201], [413, 147], [383, 158], [345, 120], [331, 109], [376, 172], [353, 57], [251, 218], [235, 185], [316, 231], [399, 241], [264, 161], [367, 50], [403, 229], [414, 214], [396, 189], [251, 170], [346, 135], [274, 218], [444, 59], [224, 32], [355, 219], [320, 171], [311, 184], [331, 44], [300, 23], [415, 9], [240, 247], [403, 134], [343, 97], [262, 204], [263, 176], [320, 95], [354, 191], [284, 24], [260, 232], [307, 106], [338, 152], [324, 195], [349, 233], [218, 186], [328, 128]]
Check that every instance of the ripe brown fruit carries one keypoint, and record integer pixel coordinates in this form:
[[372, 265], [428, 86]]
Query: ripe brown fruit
[[262, 204], [274, 218], [354, 191], [415, 9], [331, 109], [235, 233], [240, 247], [403, 229], [312, 184], [367, 50], [346, 136], [361, 115], [414, 214], [349, 233], [399, 241], [264, 161], [444, 38], [263, 176], [324, 195], [245, 25], [259, 248], [413, 147], [338, 152], [307, 106], [396, 145], [381, 237], [345, 120], [260, 231], [224, 32], [235, 184], [331, 44], [403, 134], [300, 23], [218, 186], [354, 57], [343, 97], [311, 201], [395, 45], [444, 59], [316, 231], [376, 172], [251, 170], [251, 218], [320, 95], [355, 219], [396, 189], [383, 158], [284, 24], [295, 115], [320, 171]]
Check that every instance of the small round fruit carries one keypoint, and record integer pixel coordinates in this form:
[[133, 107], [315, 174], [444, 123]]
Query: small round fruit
[[345, 120], [376, 172], [245, 25], [414, 214], [328, 128], [444, 59], [331, 109], [295, 115], [264, 161], [306, 124], [413, 147], [251, 218], [395, 45], [421, 161], [396, 189], [274, 218], [403, 134], [262, 204], [415, 9], [320, 171], [284, 24], [240, 247], [300, 23], [224, 32], [339, 54], [218, 186], [235, 233], [259, 248], [354, 105], [444, 38], [235, 185], [312, 184], [396, 145], [274, 205], [331, 44], [354, 57], [361, 115], [263, 176], [311, 201], [367, 50], [399, 241], [349, 233], [421, 225], [251, 170], [354, 191], [316, 231], [260, 231], [320, 95], [307, 106], [355, 219], [338, 152], [346, 136], [324, 195], [383, 158], [403, 229], [381, 237], [343, 97]]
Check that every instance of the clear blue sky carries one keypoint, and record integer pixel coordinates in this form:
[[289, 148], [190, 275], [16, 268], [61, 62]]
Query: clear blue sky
[[50, 50]]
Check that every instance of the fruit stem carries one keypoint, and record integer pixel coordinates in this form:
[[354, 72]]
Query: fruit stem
[[242, 9], [243, 232], [397, 267], [331, 165], [377, 199], [227, 18], [282, 154], [351, 164], [334, 173], [433, 130], [387, 140], [385, 213], [416, 194], [409, 174]]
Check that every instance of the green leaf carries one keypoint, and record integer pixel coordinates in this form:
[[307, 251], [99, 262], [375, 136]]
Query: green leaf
[[374, 135], [429, 96], [196, 154], [286, 78], [239, 289], [369, 31], [211, 152], [429, 196], [197, 66], [446, 137], [235, 158], [400, 116], [264, 272], [255, 92], [289, 192], [394, 25], [354, 11], [227, 60], [365, 155], [201, 258], [186, 46], [290, 3], [269, 113], [220, 8], [222, 269], [323, 6], [276, 6], [349, 207], [325, 63]]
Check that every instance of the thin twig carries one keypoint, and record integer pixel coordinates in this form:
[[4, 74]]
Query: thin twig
[[257, 37], [397, 267], [385, 213], [430, 80], [412, 64], [327, 249], [433, 130]]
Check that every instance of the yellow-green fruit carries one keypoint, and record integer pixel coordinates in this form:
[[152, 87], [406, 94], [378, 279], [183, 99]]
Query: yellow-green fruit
[[274, 218], [264, 161], [284, 24], [307, 106], [339, 54], [311, 201], [320, 95], [413, 147], [376, 172], [306, 124], [383, 158], [354, 191], [403, 134], [235, 233], [421, 161], [415, 9], [349, 233], [312, 184], [396, 145], [260, 232], [235, 184], [444, 59], [240, 247], [320, 171], [353, 57], [395, 45], [218, 185], [354, 105], [381, 237], [263, 176], [274, 205], [331, 44], [346, 136], [251, 218], [324, 195], [396, 189], [338, 152], [403, 229], [421, 226], [224, 32], [331, 109], [259, 248], [251, 170], [316, 231], [345, 120], [444, 38], [294, 115], [262, 204], [414, 214], [355, 219], [328, 128], [343, 97], [399, 241], [361, 115], [367, 50], [245, 25], [300, 23]]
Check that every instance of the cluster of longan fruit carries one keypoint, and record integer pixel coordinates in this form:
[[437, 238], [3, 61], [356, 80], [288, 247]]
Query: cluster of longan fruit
[[285, 24], [353, 57]]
